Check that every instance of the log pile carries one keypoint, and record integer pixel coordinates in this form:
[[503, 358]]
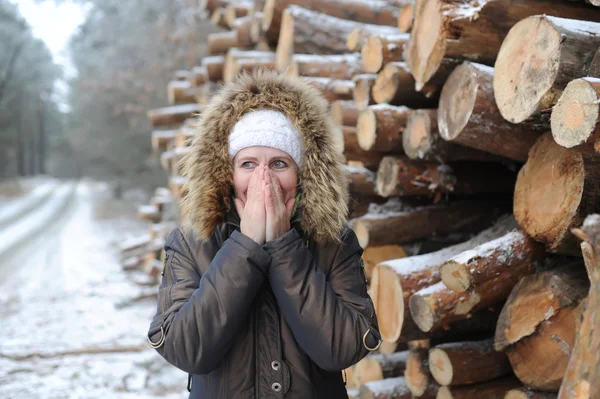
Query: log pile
[[472, 140]]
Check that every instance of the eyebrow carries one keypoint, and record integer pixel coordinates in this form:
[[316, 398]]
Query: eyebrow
[[250, 158]]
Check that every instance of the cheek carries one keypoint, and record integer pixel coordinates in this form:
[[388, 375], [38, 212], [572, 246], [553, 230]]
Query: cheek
[[240, 183], [288, 183]]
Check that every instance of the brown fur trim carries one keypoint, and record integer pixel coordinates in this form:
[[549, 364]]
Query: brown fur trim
[[324, 201]]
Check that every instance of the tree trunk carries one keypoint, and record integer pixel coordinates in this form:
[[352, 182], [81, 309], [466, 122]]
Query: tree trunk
[[509, 257], [417, 372], [380, 127], [332, 89], [343, 66], [575, 123], [377, 12], [391, 388], [554, 192], [524, 393], [172, 115], [468, 115], [380, 50], [359, 35], [582, 377], [466, 363], [495, 389], [221, 42], [235, 55], [307, 32], [396, 86], [402, 176], [372, 256], [556, 51], [421, 140], [344, 113], [215, 66], [377, 367], [198, 76], [474, 31], [394, 281], [362, 93], [179, 92]]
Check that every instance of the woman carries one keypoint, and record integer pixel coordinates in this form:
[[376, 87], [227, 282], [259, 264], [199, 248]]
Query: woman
[[263, 292]]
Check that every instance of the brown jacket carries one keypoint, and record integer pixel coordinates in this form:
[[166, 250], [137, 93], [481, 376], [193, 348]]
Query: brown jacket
[[272, 321]]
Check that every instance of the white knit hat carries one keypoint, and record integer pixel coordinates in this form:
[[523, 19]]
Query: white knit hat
[[269, 128]]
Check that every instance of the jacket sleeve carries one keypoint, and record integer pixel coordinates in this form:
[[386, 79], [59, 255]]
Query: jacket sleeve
[[198, 315], [328, 315]]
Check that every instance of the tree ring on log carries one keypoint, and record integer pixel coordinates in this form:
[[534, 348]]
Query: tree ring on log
[[385, 285], [575, 116], [418, 142], [366, 129], [442, 372], [426, 318], [455, 276], [386, 175], [457, 101], [372, 54], [526, 67]]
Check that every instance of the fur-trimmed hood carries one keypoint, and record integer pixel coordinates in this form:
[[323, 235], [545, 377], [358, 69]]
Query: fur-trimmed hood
[[323, 205]]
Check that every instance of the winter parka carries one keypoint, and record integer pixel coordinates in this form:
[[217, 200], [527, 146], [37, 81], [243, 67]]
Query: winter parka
[[279, 320]]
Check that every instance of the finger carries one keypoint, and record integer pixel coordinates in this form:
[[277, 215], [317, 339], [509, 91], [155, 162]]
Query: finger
[[239, 206], [289, 207], [278, 190], [269, 198]]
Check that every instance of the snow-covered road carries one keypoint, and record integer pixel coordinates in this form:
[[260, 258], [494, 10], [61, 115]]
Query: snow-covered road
[[66, 328]]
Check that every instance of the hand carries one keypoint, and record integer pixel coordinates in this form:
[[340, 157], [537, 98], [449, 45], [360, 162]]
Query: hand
[[252, 213], [278, 212]]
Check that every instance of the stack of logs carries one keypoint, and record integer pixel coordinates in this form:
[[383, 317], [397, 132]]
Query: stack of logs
[[471, 132]]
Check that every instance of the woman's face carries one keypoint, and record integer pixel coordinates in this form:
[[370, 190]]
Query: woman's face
[[280, 164]]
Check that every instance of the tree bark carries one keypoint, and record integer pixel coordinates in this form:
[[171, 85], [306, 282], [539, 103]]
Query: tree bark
[[466, 363], [556, 51], [402, 176], [344, 113], [359, 35], [474, 31], [509, 257], [554, 192], [380, 50], [221, 42], [308, 32], [377, 12], [172, 115], [468, 115], [198, 76], [396, 86], [495, 389], [332, 89], [379, 127], [214, 67], [180, 92], [524, 393], [343, 66], [421, 140], [235, 56]]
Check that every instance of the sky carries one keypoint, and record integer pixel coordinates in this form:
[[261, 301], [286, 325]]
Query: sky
[[55, 24]]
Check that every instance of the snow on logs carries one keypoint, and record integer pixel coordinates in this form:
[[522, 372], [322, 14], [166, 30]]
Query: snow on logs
[[308, 32], [468, 115], [556, 51], [555, 190], [476, 30], [337, 66], [538, 324], [172, 115]]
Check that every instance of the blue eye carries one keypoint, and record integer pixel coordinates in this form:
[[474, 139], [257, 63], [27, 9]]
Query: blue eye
[[246, 165], [279, 164]]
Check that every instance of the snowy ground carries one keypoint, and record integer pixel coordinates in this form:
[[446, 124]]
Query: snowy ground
[[67, 330]]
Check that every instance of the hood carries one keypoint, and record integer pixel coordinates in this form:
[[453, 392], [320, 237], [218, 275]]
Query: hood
[[323, 205]]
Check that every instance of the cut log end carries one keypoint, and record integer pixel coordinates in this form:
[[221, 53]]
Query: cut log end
[[366, 129], [548, 192], [416, 138], [444, 393], [386, 85], [440, 366], [423, 314], [575, 116], [455, 276], [368, 369], [405, 18], [362, 93], [268, 11], [285, 46], [387, 174], [417, 379], [457, 101], [427, 44], [533, 44], [362, 233], [354, 39], [372, 55], [389, 302]]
